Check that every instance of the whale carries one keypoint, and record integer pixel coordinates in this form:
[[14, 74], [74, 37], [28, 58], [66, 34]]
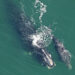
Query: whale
[[26, 28], [64, 54]]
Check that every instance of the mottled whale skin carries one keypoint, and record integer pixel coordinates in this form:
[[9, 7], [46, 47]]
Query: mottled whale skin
[[63, 53], [25, 29]]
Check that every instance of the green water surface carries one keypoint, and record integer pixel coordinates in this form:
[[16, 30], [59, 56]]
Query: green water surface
[[14, 59]]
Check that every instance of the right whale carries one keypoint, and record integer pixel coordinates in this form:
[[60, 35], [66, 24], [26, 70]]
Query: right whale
[[63, 53], [26, 29]]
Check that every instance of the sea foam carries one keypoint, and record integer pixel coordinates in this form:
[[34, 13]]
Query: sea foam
[[40, 8], [42, 38]]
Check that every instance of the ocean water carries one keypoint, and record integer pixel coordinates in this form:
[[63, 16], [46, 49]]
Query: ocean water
[[59, 15]]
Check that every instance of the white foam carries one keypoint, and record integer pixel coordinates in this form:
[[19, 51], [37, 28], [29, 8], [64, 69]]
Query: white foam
[[35, 39], [33, 20], [69, 66], [42, 38], [41, 10]]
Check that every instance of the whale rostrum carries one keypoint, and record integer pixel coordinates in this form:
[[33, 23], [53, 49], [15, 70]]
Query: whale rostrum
[[25, 28]]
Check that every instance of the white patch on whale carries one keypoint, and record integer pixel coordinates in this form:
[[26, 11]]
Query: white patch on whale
[[40, 8]]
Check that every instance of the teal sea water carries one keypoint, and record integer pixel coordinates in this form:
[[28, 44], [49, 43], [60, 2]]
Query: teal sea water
[[14, 59]]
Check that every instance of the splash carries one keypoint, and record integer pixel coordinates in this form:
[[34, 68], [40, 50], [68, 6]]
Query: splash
[[42, 38], [40, 8]]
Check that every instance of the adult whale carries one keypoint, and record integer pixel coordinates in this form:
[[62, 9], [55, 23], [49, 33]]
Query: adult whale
[[26, 28]]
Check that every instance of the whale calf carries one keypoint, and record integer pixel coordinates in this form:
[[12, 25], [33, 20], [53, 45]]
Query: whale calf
[[63, 53]]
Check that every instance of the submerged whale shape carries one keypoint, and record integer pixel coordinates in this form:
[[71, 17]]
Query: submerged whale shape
[[63, 53], [25, 29]]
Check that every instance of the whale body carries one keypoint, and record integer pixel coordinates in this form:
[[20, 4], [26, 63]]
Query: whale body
[[25, 28], [63, 53]]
